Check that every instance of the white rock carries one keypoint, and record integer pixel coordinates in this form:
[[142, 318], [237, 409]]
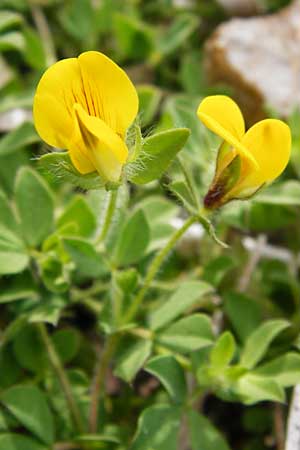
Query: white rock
[[260, 58]]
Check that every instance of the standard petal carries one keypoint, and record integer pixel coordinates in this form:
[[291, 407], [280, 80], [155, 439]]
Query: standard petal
[[110, 95], [269, 142], [56, 93], [101, 145], [222, 116]]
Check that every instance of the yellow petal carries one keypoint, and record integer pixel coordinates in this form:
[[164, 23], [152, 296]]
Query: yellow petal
[[99, 144], [79, 154], [269, 142], [222, 116], [110, 95], [53, 102]]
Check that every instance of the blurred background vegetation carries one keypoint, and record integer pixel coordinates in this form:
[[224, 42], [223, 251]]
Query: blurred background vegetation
[[161, 45]]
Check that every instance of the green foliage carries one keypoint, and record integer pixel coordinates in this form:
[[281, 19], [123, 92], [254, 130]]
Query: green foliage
[[203, 434], [107, 301], [170, 374], [87, 261], [258, 342], [187, 334], [158, 428], [23, 135], [40, 420], [11, 441], [32, 190], [156, 154], [133, 239], [132, 359], [59, 165], [13, 256], [223, 351], [186, 296]]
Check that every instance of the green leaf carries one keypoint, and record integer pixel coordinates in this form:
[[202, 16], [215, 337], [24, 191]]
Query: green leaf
[[13, 329], [157, 153], [10, 373], [160, 234], [286, 193], [159, 212], [77, 18], [134, 38], [7, 217], [158, 429], [13, 255], [12, 40], [29, 405], [203, 434], [127, 280], [12, 441], [149, 99], [78, 212], [182, 27], [158, 209], [35, 206], [181, 109], [188, 334], [133, 359], [244, 313], [17, 288], [191, 75], [97, 438], [170, 374], [9, 19], [183, 194], [48, 312], [34, 50], [223, 351], [18, 138], [88, 262], [60, 166], [186, 296], [133, 239], [217, 269], [67, 343], [258, 342], [253, 388], [7, 421], [29, 349], [285, 370], [54, 273]]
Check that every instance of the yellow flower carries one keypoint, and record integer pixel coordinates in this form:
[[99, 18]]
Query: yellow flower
[[246, 160], [85, 105]]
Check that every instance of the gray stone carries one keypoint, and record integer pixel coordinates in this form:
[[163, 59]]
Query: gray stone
[[241, 7], [259, 57]]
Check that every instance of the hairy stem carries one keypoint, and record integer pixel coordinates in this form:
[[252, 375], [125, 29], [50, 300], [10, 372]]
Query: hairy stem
[[109, 349], [109, 214], [155, 266], [99, 381], [62, 376]]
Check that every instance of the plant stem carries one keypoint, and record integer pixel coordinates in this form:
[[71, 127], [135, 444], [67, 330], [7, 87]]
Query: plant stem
[[62, 376], [109, 214], [44, 32], [155, 266], [102, 367], [99, 380]]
